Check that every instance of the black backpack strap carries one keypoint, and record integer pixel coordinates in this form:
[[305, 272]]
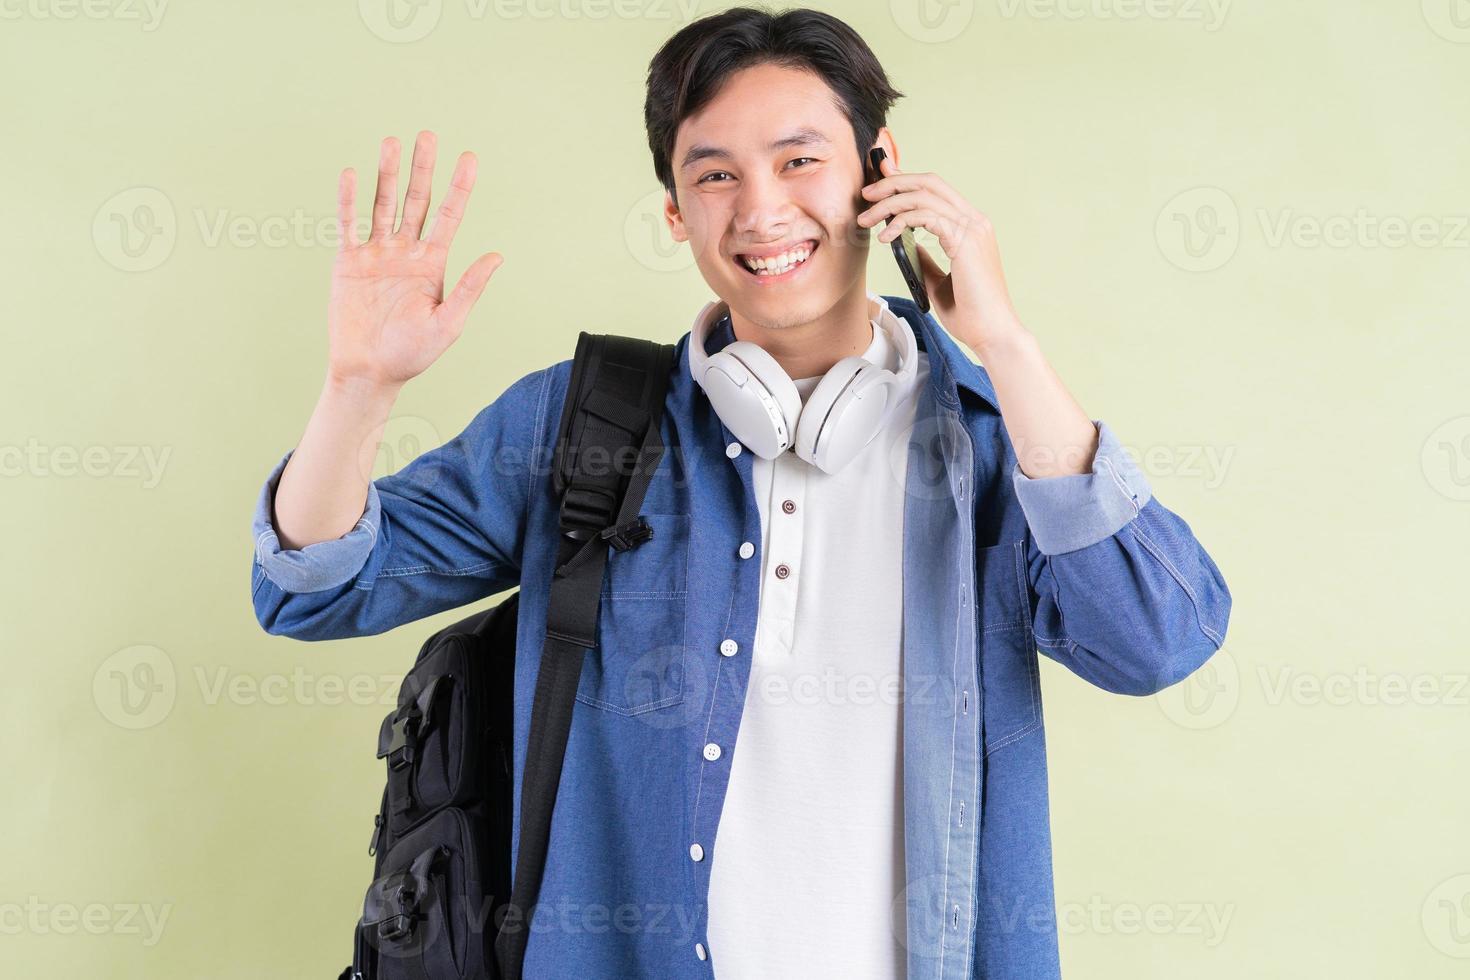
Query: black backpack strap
[[607, 449]]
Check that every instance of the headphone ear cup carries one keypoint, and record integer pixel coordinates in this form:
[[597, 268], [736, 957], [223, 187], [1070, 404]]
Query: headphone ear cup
[[821, 428], [755, 399]]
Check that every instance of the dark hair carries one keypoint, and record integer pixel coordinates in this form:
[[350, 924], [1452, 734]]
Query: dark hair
[[689, 70]]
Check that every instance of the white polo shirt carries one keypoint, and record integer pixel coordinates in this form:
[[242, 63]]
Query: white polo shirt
[[809, 856]]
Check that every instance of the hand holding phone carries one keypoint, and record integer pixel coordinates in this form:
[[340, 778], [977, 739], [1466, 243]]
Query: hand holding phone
[[904, 248]]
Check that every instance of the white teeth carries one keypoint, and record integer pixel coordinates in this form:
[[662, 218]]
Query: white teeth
[[777, 264]]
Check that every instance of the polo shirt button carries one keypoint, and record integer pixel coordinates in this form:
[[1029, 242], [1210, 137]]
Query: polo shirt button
[[699, 951], [789, 506], [732, 450], [728, 648], [712, 751], [696, 852], [782, 570], [747, 549]]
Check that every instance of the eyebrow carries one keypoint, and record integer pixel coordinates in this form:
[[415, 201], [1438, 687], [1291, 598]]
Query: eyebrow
[[805, 136]]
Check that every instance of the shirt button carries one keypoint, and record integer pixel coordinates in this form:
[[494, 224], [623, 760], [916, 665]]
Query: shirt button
[[782, 570], [747, 549], [699, 951], [728, 648], [696, 852], [732, 450], [712, 751], [789, 506]]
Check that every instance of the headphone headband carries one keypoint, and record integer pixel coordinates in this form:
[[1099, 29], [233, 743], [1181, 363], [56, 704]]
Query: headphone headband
[[760, 405]]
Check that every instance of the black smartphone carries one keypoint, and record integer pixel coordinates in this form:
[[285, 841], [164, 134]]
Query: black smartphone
[[904, 249]]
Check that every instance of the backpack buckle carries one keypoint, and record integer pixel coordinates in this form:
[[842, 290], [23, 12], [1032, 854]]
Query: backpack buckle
[[400, 924], [630, 535], [586, 509], [405, 732]]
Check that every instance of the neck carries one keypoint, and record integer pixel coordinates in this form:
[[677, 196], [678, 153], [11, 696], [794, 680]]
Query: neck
[[810, 349]]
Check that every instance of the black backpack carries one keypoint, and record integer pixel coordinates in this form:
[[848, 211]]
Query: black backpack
[[441, 904]]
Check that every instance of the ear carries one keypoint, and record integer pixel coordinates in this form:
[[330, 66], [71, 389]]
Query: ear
[[674, 218], [890, 147]]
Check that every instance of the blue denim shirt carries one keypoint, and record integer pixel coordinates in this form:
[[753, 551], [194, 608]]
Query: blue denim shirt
[[1090, 570]]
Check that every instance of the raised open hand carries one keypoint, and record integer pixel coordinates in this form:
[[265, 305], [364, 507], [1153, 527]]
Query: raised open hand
[[388, 318]]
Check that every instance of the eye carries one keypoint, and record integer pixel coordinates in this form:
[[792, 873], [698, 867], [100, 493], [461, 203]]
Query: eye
[[709, 175], [799, 159]]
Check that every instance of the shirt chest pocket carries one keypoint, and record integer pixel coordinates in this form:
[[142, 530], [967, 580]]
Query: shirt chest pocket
[[1009, 673], [638, 665]]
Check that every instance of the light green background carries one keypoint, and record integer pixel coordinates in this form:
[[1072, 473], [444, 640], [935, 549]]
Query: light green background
[[1298, 808]]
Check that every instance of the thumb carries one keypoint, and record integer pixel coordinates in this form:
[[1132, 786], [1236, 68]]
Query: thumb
[[456, 306]]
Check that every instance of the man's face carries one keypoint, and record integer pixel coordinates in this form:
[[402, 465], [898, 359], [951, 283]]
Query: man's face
[[775, 170]]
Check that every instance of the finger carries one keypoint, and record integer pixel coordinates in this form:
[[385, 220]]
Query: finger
[[912, 218], [452, 210], [930, 270], [901, 182], [456, 306], [420, 183], [385, 203], [890, 206], [347, 210]]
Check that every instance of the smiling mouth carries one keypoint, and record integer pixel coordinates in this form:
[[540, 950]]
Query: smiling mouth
[[776, 266]]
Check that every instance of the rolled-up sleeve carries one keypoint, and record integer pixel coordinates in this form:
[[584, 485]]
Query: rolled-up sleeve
[[1124, 595], [446, 529], [324, 565], [1070, 512]]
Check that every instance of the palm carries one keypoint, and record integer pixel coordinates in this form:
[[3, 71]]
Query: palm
[[388, 316]]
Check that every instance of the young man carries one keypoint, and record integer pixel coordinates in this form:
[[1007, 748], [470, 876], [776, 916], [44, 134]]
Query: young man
[[809, 742]]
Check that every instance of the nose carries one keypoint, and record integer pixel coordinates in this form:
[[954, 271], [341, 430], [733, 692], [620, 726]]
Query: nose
[[763, 208]]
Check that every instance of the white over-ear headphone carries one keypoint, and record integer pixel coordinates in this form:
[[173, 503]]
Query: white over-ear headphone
[[761, 405]]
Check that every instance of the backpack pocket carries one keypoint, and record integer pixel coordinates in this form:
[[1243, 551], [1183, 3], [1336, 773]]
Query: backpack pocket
[[427, 916], [429, 739]]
